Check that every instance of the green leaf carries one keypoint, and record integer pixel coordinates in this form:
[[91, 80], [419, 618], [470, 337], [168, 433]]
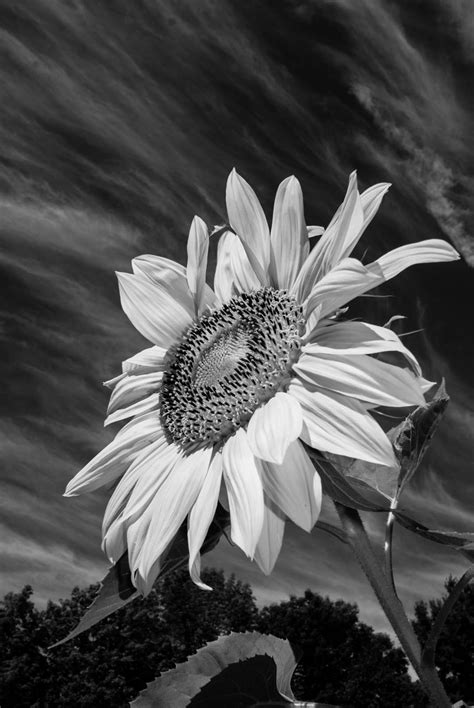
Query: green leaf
[[346, 489], [413, 436], [115, 592], [462, 542], [237, 670], [117, 589]]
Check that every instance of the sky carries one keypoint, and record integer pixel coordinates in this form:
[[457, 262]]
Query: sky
[[121, 121]]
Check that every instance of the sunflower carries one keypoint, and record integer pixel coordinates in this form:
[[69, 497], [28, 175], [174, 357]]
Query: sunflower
[[241, 376]]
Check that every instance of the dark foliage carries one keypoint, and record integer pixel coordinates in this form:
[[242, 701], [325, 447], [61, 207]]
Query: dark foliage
[[455, 650], [109, 665], [342, 660]]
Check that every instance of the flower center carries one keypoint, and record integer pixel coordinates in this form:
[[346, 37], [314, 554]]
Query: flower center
[[227, 364]]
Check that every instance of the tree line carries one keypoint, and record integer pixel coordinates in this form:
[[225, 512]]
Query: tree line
[[342, 660]]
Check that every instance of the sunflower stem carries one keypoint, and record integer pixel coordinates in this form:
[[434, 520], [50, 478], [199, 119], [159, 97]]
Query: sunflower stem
[[391, 605], [388, 555]]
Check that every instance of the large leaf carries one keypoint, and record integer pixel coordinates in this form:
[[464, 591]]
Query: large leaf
[[343, 488], [237, 670], [461, 541], [413, 436], [383, 481], [117, 589]]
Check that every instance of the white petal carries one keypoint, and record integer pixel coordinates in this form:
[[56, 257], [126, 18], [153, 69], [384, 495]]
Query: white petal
[[148, 469], [345, 224], [346, 281], [342, 234], [152, 310], [425, 385], [142, 483], [139, 423], [314, 231], [430, 251], [248, 221], [111, 383], [160, 269], [289, 234], [168, 275], [145, 405], [146, 361], [350, 278], [271, 539], [274, 426], [349, 338], [114, 459], [121, 494], [371, 200], [244, 489], [234, 274], [294, 486], [201, 516], [167, 511], [198, 248], [361, 377], [134, 388], [341, 425]]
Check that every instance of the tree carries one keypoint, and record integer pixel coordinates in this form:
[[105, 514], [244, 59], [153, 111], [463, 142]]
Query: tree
[[110, 664], [22, 662], [455, 650], [343, 661]]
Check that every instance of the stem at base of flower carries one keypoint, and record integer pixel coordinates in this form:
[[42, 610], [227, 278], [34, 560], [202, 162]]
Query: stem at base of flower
[[391, 605]]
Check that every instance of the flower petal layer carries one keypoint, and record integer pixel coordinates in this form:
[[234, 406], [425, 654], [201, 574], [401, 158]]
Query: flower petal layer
[[432, 250], [168, 275], [289, 234], [349, 338], [294, 486], [271, 539], [198, 248], [346, 222], [134, 493], [361, 377], [144, 405], [350, 278], [346, 281], [343, 231], [245, 493], [114, 459], [248, 220], [146, 361], [165, 514], [234, 274], [201, 516], [152, 310], [338, 424], [274, 426], [134, 388]]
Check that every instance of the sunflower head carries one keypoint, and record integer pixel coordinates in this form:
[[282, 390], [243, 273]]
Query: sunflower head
[[242, 376], [230, 362]]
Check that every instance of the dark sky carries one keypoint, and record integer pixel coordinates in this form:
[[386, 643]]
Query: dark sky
[[121, 120]]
